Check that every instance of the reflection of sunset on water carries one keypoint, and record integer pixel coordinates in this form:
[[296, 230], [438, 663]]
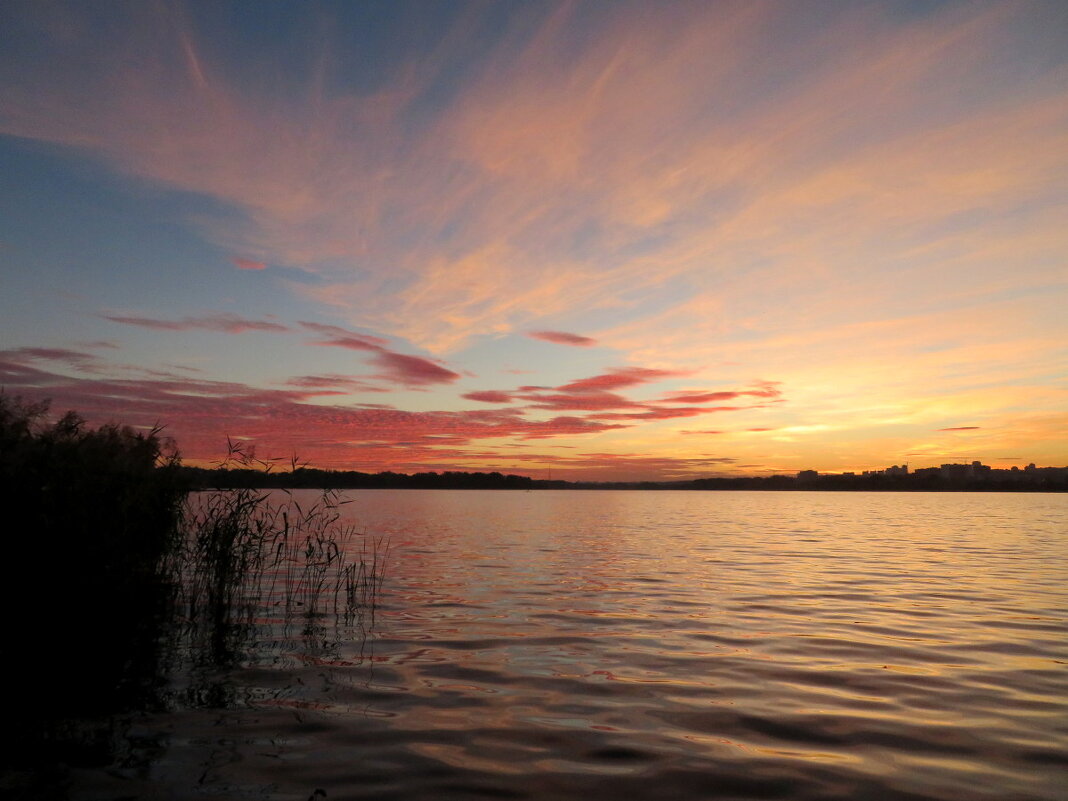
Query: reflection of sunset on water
[[887, 638]]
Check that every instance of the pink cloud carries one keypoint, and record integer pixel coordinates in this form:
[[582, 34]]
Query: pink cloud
[[84, 362], [55, 354], [200, 414], [371, 437], [355, 342], [248, 264], [334, 382], [338, 337], [488, 396], [224, 322], [617, 378], [412, 370], [16, 374], [398, 367], [100, 343], [699, 397], [593, 395], [960, 428], [763, 389], [667, 413], [578, 401], [562, 338]]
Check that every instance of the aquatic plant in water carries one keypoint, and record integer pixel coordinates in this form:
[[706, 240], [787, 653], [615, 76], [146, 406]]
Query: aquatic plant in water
[[242, 548], [117, 576]]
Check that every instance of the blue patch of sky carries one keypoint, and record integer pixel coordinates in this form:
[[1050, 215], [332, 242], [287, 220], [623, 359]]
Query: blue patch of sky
[[352, 49], [491, 359], [72, 228]]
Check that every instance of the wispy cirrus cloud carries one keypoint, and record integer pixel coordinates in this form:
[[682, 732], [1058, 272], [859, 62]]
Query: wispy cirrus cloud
[[594, 395], [397, 367], [489, 396], [559, 179], [562, 338], [664, 413], [765, 389], [222, 322], [248, 264], [577, 401], [20, 362], [413, 371], [105, 344], [960, 428], [87, 362], [618, 378], [335, 383], [701, 397], [337, 337]]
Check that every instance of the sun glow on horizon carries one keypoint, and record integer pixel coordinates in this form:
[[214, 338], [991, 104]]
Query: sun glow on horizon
[[606, 240]]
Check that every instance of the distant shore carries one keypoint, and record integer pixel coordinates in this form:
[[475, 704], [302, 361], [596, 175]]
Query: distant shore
[[1047, 479]]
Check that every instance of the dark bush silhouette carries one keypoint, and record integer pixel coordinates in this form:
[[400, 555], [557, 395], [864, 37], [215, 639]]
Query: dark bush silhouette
[[113, 576], [90, 515], [107, 498]]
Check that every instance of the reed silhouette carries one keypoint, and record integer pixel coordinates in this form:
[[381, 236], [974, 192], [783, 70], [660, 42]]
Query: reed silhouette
[[119, 577]]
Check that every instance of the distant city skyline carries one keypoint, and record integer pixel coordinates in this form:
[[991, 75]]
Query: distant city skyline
[[614, 241], [946, 469]]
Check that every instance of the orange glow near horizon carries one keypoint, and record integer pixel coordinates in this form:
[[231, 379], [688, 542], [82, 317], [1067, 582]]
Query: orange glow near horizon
[[610, 241]]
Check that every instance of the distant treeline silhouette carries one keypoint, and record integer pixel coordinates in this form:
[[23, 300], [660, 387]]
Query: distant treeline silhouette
[[314, 478], [1041, 480]]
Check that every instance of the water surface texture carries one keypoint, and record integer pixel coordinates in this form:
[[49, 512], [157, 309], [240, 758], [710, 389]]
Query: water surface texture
[[713, 645]]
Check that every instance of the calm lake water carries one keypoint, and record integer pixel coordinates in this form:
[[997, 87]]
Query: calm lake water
[[633, 645]]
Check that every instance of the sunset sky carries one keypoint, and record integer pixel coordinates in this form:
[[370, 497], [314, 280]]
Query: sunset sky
[[612, 240]]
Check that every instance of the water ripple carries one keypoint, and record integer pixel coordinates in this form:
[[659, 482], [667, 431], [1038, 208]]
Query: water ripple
[[669, 645]]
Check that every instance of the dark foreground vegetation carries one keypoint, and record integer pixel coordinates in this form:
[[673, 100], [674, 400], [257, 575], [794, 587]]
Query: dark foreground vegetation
[[115, 574], [1046, 479]]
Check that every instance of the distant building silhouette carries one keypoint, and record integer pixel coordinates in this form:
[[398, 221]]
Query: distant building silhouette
[[974, 470], [895, 470]]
